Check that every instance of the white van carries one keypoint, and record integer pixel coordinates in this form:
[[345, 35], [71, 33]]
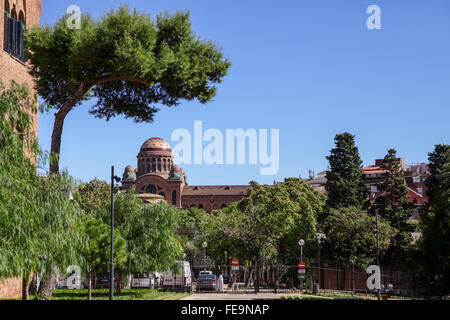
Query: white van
[[181, 281], [146, 281]]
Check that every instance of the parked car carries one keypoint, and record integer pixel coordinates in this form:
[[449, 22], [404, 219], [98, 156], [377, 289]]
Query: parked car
[[143, 281], [206, 282], [71, 280], [102, 281], [180, 281]]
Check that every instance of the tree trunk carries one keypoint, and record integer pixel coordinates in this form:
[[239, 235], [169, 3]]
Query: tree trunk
[[353, 279], [258, 278], [59, 123], [119, 283], [90, 275], [26, 280], [48, 284]]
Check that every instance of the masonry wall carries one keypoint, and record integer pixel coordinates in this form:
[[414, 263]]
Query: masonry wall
[[12, 68]]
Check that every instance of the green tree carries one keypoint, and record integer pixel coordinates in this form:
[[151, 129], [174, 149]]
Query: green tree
[[267, 221], [434, 248], [345, 177], [96, 248], [94, 197], [392, 205], [38, 223], [350, 239], [149, 231], [127, 61]]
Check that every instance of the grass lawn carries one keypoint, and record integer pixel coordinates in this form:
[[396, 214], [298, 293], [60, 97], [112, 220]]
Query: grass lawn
[[126, 294]]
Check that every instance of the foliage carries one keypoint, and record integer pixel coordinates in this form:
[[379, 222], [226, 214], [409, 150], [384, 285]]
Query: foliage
[[94, 197], [392, 204], [345, 178], [127, 61], [126, 294], [268, 222], [433, 257], [149, 230], [350, 238], [39, 225]]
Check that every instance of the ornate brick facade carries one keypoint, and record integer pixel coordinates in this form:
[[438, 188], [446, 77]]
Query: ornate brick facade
[[158, 178]]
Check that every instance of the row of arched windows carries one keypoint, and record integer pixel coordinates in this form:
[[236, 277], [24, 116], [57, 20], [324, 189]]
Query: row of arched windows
[[14, 26], [201, 206], [150, 165]]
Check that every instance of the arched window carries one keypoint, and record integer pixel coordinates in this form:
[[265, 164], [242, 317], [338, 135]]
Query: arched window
[[154, 165], [162, 194], [14, 32], [223, 206], [174, 198], [200, 206], [159, 165], [164, 165], [151, 189], [193, 206]]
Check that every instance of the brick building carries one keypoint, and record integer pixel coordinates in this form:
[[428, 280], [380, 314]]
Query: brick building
[[157, 178], [17, 15]]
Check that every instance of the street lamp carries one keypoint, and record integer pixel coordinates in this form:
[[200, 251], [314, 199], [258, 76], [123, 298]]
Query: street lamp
[[111, 276], [205, 244]]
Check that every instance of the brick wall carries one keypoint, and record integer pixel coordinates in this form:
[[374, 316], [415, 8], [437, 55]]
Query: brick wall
[[11, 288], [13, 69]]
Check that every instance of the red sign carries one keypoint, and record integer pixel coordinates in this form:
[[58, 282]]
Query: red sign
[[301, 266], [235, 262]]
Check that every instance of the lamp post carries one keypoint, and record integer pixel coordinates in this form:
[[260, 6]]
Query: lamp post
[[301, 243], [378, 252], [205, 244], [111, 275]]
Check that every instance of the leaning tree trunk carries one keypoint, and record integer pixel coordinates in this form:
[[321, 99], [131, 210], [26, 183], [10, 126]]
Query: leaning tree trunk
[[59, 123], [48, 284]]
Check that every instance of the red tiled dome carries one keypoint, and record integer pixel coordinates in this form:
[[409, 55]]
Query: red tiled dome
[[155, 144]]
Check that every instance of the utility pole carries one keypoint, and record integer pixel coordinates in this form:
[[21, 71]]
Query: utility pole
[[111, 275]]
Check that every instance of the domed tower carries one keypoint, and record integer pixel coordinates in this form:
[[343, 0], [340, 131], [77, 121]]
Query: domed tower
[[155, 157]]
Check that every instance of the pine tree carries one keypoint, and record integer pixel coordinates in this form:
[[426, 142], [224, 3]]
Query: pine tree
[[345, 179], [392, 204], [434, 248]]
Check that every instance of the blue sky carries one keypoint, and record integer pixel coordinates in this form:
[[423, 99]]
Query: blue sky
[[309, 68]]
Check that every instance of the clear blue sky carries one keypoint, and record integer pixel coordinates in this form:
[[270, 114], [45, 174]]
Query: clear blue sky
[[310, 68]]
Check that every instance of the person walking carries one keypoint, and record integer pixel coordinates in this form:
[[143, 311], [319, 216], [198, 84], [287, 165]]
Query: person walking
[[219, 286]]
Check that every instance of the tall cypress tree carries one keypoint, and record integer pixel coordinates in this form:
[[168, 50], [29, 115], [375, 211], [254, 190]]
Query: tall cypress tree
[[345, 179], [392, 204], [434, 253]]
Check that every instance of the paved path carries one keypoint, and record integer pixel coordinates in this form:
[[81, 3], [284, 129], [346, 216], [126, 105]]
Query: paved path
[[229, 296]]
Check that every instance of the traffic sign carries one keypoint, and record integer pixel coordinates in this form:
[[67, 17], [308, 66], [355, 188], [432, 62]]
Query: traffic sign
[[301, 266], [235, 265]]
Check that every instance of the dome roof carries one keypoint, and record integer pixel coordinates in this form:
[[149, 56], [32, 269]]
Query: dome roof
[[129, 169], [155, 144]]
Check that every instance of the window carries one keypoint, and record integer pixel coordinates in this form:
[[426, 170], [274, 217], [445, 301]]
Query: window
[[14, 32], [200, 206], [174, 198], [154, 165], [223, 206], [151, 189], [159, 165]]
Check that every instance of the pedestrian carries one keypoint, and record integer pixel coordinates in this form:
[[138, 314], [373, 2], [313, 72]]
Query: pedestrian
[[219, 285]]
